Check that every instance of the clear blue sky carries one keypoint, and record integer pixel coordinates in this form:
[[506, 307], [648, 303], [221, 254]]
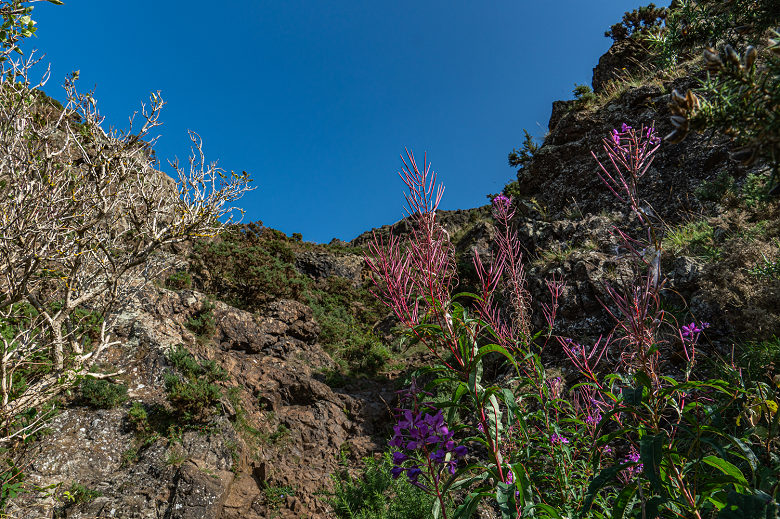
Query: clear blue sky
[[316, 99]]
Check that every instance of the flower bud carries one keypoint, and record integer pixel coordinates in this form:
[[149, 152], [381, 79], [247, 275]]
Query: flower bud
[[732, 56], [680, 122], [712, 59], [676, 136], [678, 98], [745, 155], [750, 57], [691, 100]]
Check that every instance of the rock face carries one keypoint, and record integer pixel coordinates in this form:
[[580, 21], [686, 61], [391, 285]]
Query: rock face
[[623, 60], [318, 265], [287, 419], [453, 222]]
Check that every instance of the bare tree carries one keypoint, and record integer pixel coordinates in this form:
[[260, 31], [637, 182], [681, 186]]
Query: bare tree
[[82, 210]]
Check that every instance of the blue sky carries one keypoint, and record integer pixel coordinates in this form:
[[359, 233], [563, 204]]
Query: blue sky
[[317, 99]]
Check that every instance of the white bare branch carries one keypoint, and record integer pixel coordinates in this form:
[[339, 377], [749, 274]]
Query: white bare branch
[[82, 211]]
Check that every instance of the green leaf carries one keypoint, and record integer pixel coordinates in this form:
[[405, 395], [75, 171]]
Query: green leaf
[[652, 505], [714, 484], [459, 392], [642, 378], [622, 501], [524, 485], [505, 495], [727, 468], [597, 483], [436, 508], [469, 506], [551, 512], [651, 449], [633, 395], [490, 348], [56, 2], [746, 506]]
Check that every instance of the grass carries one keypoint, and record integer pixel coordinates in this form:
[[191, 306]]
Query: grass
[[694, 238], [557, 254], [175, 457]]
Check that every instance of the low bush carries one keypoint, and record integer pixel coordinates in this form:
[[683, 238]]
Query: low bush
[[639, 21], [377, 495], [203, 323], [102, 394], [179, 281], [79, 494], [193, 392]]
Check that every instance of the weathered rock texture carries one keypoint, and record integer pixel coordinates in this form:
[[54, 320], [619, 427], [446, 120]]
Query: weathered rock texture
[[221, 472]]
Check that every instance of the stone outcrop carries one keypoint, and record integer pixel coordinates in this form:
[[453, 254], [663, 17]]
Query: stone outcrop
[[288, 419], [319, 265], [624, 59], [454, 222]]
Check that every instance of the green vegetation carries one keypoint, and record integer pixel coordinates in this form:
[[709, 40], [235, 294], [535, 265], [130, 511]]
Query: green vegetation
[[584, 97], [179, 281], [102, 394], [79, 494], [251, 266], [275, 497], [248, 267], [193, 392], [376, 495], [694, 238], [640, 21], [202, 323]]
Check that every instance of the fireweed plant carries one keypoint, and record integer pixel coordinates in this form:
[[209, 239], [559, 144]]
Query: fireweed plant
[[628, 440]]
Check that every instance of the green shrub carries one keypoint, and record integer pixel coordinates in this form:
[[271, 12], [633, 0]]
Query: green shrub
[[194, 391], [638, 21], [102, 394], [376, 495], [523, 157], [203, 323], [248, 267], [139, 418], [583, 97], [755, 192], [717, 190], [179, 281]]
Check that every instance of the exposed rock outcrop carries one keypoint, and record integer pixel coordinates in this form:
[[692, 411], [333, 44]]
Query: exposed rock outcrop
[[273, 361]]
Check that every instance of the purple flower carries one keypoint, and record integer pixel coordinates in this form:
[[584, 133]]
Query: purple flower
[[688, 331], [593, 419], [438, 456], [460, 451], [399, 457], [616, 137], [557, 439], [396, 471], [413, 473], [626, 127], [510, 478], [501, 206], [633, 457], [480, 428]]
